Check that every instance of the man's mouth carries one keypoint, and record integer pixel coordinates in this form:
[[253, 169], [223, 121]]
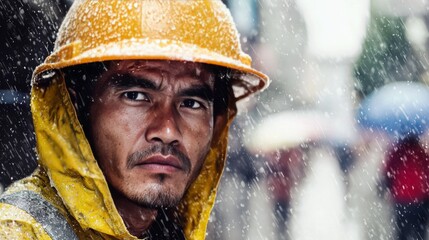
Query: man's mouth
[[160, 158], [161, 164]]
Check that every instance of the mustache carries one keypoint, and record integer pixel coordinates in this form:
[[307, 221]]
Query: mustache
[[162, 149]]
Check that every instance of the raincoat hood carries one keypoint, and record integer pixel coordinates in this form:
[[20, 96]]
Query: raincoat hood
[[67, 158], [94, 31]]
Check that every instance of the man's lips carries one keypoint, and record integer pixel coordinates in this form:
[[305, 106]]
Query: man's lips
[[161, 163], [160, 158]]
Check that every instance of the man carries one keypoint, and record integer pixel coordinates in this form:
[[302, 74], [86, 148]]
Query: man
[[131, 114]]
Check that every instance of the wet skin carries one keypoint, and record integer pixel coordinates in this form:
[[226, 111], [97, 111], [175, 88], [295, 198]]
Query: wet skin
[[152, 125]]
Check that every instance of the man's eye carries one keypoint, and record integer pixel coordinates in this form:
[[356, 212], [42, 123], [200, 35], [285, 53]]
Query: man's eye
[[136, 96], [190, 103]]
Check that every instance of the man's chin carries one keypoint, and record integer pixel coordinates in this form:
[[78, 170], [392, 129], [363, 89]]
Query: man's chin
[[155, 196]]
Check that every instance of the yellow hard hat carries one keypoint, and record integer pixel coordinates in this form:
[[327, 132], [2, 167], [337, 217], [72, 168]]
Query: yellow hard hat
[[183, 30]]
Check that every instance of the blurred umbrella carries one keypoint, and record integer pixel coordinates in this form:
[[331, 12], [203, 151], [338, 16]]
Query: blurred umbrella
[[400, 108], [287, 129]]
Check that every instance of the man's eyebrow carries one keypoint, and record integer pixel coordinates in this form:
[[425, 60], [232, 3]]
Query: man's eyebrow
[[202, 91], [127, 80]]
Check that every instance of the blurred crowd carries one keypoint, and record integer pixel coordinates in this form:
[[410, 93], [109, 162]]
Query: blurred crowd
[[327, 60]]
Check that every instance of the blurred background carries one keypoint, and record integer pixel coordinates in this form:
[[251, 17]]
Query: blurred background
[[28, 29], [309, 158]]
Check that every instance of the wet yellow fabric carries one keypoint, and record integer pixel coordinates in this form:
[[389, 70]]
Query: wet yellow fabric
[[19, 225]]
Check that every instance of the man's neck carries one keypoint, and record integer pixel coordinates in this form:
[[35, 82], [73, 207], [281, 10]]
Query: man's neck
[[137, 219]]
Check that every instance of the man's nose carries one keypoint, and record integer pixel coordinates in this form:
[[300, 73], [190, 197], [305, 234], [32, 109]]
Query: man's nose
[[164, 127]]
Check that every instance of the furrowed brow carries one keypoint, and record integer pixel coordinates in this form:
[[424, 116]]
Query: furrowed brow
[[201, 91], [127, 80]]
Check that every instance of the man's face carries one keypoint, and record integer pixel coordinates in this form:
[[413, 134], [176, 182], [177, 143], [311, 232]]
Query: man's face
[[151, 126]]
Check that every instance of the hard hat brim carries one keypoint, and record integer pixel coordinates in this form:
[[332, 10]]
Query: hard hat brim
[[246, 81]]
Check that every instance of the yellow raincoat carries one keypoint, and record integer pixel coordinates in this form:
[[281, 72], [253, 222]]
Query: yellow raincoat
[[68, 177]]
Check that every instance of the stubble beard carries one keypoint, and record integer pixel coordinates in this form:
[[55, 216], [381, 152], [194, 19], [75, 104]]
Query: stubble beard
[[155, 196]]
